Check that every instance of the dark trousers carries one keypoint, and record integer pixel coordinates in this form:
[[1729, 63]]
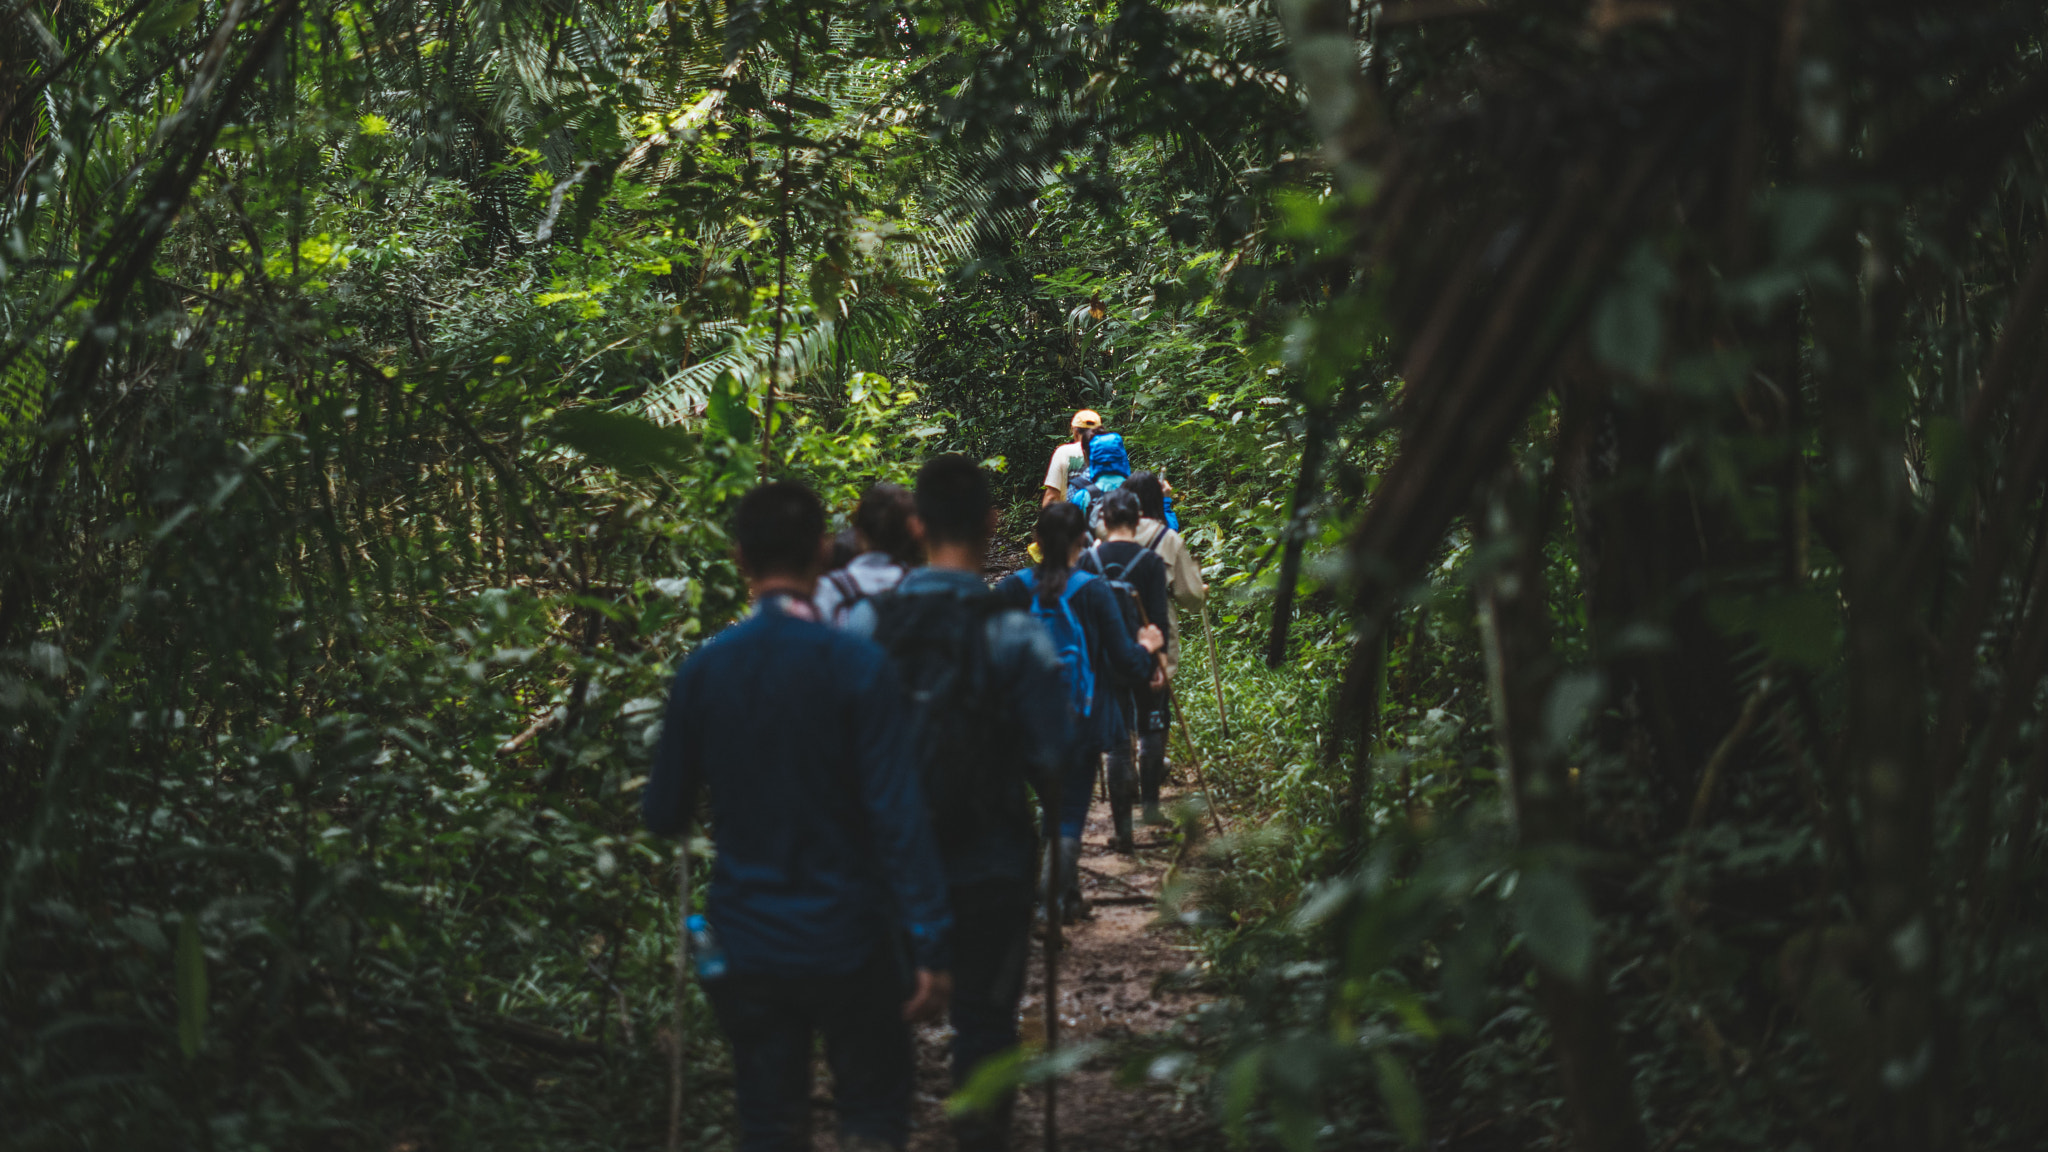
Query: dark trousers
[[770, 1022], [1154, 711], [1151, 765], [1077, 788], [991, 951]]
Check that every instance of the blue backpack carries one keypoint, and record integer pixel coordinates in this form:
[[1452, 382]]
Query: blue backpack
[[1108, 467], [1068, 638]]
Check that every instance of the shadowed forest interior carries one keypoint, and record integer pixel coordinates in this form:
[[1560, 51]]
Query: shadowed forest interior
[[1614, 434]]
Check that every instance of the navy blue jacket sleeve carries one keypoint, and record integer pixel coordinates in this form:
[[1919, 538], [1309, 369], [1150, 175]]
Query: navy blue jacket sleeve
[[886, 767], [1104, 622], [1036, 688], [1149, 576], [671, 794], [1012, 592]]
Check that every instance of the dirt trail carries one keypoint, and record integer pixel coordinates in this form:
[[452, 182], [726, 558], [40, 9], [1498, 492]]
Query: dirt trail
[[1115, 981]]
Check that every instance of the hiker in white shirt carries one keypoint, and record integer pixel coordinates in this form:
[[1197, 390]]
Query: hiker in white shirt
[[888, 550], [1070, 457]]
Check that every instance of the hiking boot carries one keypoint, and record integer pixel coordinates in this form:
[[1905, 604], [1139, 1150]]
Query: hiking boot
[[1120, 812], [1153, 817], [1072, 906]]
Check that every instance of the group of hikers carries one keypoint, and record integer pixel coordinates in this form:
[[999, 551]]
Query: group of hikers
[[870, 741]]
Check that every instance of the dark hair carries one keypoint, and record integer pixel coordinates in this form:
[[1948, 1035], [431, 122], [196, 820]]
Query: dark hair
[[1059, 525], [953, 499], [1151, 495], [778, 527], [1120, 509], [844, 549], [883, 521]]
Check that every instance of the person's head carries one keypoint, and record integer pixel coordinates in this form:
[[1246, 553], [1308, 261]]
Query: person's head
[[953, 502], [882, 521], [1120, 511], [1086, 423], [845, 546], [1150, 493], [1061, 528], [779, 532]]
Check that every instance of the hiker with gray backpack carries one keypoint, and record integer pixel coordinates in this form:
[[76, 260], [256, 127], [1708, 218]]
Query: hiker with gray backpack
[[991, 714], [1136, 576], [886, 548], [1097, 655]]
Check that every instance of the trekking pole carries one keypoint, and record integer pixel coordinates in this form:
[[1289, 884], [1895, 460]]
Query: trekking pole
[[1201, 778], [1215, 671], [1054, 897], [675, 1061]]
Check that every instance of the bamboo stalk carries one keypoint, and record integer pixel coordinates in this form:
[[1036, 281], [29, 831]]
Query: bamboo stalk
[[1201, 778], [675, 1059], [1215, 672], [1053, 946]]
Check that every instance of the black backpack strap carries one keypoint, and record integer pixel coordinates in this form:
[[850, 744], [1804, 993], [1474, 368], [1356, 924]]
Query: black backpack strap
[[849, 588], [1123, 568]]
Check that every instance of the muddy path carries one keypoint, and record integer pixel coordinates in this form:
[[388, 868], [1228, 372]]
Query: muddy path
[[1124, 973]]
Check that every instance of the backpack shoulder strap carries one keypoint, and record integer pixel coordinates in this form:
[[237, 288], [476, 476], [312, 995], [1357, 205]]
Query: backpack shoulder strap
[[849, 588], [1113, 569], [1158, 537]]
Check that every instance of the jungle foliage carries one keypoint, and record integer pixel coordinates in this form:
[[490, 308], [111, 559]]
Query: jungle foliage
[[1616, 432]]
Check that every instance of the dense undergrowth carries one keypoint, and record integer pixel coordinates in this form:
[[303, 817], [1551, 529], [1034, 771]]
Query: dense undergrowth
[[1611, 432]]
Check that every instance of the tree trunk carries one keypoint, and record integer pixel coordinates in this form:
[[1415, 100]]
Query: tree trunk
[[1522, 671]]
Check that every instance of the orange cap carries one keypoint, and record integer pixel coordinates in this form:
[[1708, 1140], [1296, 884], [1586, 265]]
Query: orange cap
[[1086, 418]]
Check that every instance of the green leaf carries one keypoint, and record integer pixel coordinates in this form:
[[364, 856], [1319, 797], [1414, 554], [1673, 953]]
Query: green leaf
[[191, 987], [1948, 455], [1403, 1101], [1003, 1074], [622, 441], [1555, 920], [728, 407], [1799, 218], [1628, 321], [1240, 1091], [1800, 628], [815, 109], [1572, 699], [994, 1079]]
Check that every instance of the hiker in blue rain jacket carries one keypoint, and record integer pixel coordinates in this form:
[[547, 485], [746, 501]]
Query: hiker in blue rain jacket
[[1099, 656], [828, 899]]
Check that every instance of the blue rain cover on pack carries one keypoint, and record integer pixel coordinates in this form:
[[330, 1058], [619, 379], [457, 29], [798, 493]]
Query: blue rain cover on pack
[[1106, 456]]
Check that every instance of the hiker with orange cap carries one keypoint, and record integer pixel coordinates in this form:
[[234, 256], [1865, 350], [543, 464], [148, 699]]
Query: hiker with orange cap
[[1070, 457]]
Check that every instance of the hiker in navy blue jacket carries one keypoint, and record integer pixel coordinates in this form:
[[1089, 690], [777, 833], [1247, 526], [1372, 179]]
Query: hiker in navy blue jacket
[[1113, 658], [826, 872], [1140, 577], [992, 711]]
